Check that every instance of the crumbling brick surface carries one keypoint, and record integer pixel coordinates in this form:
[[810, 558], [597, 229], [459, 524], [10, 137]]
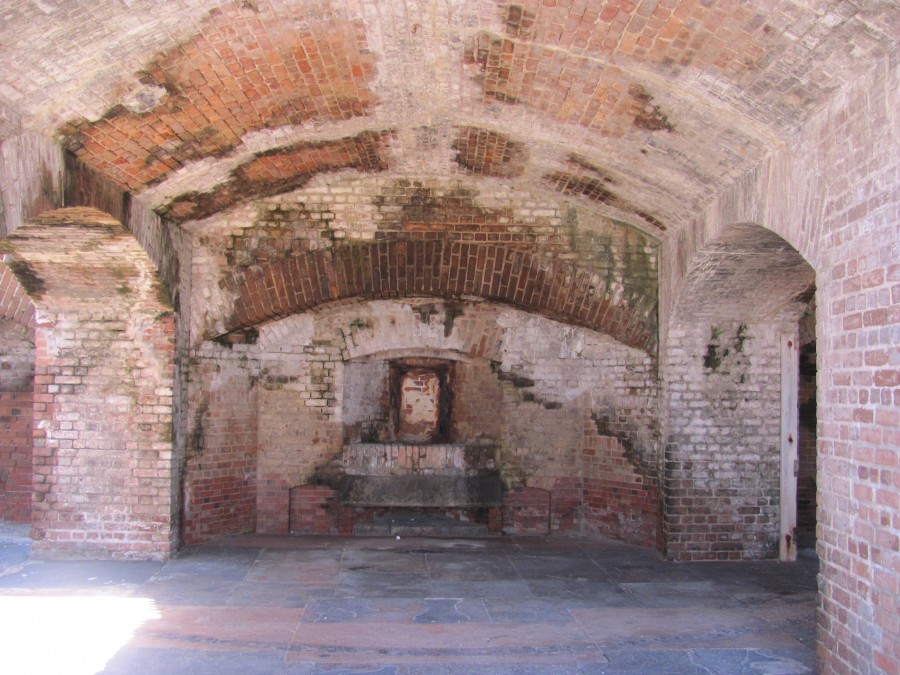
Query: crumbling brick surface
[[16, 404], [221, 484], [103, 368], [239, 75], [522, 388], [397, 238]]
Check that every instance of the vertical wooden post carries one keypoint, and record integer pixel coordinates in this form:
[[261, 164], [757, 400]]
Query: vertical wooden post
[[790, 375]]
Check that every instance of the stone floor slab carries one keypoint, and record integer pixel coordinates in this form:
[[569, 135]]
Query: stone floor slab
[[306, 605]]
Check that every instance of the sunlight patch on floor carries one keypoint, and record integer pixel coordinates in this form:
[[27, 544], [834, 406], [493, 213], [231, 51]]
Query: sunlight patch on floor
[[68, 634]]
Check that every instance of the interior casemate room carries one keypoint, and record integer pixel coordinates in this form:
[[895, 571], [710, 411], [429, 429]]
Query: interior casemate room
[[482, 268]]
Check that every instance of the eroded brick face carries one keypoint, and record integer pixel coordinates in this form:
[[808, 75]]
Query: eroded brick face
[[330, 380], [397, 238], [723, 453], [647, 172], [238, 75], [100, 313]]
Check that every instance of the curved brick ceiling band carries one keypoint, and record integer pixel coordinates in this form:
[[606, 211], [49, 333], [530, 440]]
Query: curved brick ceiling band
[[554, 289]]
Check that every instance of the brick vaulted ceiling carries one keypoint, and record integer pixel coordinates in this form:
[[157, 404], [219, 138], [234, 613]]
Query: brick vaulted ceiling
[[643, 111]]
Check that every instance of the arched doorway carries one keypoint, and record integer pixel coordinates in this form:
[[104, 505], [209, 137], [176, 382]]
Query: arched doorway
[[731, 383]]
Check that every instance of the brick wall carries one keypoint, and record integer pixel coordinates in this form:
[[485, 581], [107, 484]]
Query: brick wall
[[833, 197], [16, 394], [220, 472], [102, 414], [859, 381], [524, 383], [723, 456], [16, 397], [31, 173], [364, 237], [299, 425]]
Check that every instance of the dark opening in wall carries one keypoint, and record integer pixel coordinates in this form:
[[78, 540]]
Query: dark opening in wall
[[421, 400], [806, 472]]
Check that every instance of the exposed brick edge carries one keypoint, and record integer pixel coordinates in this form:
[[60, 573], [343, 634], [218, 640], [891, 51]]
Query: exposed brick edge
[[384, 270], [15, 304]]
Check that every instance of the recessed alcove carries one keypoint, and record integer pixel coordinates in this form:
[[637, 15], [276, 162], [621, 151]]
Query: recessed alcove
[[407, 442]]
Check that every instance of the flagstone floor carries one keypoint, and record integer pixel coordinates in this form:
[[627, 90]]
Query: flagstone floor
[[255, 604]]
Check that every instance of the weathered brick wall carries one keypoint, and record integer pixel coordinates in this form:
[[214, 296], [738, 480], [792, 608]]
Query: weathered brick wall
[[102, 455], [16, 396], [104, 347], [299, 418], [31, 173], [220, 466], [378, 237], [859, 379], [16, 393], [833, 197], [525, 383], [160, 239], [723, 456]]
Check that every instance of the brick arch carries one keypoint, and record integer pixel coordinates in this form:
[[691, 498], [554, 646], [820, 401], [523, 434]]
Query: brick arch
[[15, 304], [745, 271], [476, 339], [388, 270], [727, 389]]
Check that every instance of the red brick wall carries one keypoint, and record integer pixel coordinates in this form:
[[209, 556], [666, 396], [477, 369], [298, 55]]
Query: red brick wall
[[526, 512], [833, 196], [619, 500], [859, 384], [16, 392], [16, 397], [315, 509], [323, 379], [220, 475]]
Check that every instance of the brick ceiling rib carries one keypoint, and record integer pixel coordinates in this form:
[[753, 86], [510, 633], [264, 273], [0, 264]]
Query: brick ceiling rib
[[642, 111], [437, 269]]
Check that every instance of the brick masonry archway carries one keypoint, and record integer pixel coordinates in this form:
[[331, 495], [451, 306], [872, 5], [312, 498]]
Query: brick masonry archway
[[728, 383], [103, 464], [445, 269]]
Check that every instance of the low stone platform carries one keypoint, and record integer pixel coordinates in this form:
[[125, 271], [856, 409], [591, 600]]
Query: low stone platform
[[426, 491], [437, 459], [411, 523]]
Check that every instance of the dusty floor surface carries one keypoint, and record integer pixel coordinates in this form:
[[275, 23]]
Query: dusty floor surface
[[257, 604]]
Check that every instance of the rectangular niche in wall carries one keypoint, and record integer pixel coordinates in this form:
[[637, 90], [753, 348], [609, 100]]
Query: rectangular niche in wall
[[421, 400]]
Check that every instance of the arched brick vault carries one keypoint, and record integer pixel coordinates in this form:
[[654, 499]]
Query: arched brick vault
[[646, 108], [745, 272], [675, 117], [438, 268]]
